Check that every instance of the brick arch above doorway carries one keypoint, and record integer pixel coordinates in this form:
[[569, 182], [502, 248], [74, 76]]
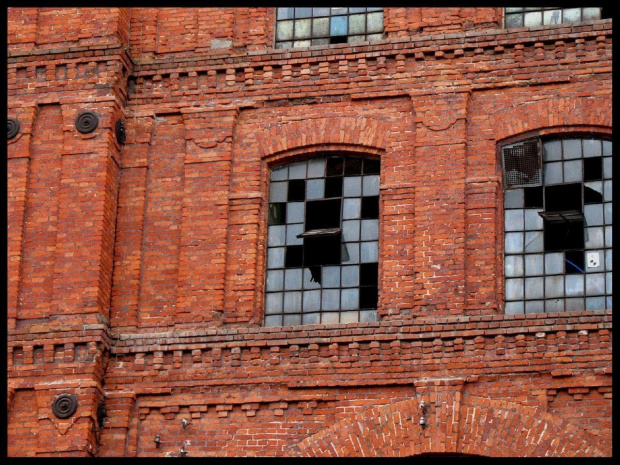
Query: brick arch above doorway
[[476, 426]]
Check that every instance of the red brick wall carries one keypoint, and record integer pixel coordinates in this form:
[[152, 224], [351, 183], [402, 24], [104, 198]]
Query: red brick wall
[[136, 271]]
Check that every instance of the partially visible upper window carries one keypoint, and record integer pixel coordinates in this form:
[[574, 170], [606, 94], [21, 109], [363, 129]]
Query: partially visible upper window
[[303, 27], [542, 16]]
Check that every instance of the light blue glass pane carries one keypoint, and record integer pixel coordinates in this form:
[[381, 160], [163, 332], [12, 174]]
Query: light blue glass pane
[[608, 260], [370, 185], [574, 284], [352, 186], [572, 15], [321, 11], [316, 168], [554, 263], [553, 173], [533, 221], [338, 26], [284, 30], [514, 308], [315, 189], [370, 230], [279, 173], [331, 276], [594, 238], [292, 279], [292, 231], [574, 304], [535, 306], [374, 22], [353, 253], [350, 299], [607, 191], [514, 289], [554, 286], [552, 17], [595, 185], [275, 257], [608, 302], [273, 320], [608, 283], [607, 208], [514, 242], [513, 264], [297, 170], [513, 198], [292, 302], [607, 174], [320, 27], [571, 148], [534, 241], [330, 318], [357, 24], [308, 283], [552, 150], [554, 305], [595, 303], [285, 13], [608, 236], [532, 19], [368, 315], [606, 147], [534, 288], [331, 299], [572, 171], [350, 276], [295, 212], [591, 14], [534, 264], [292, 320], [369, 252], [592, 148], [595, 256], [351, 208], [312, 301], [303, 12], [311, 318], [275, 280], [273, 303], [278, 191], [351, 230], [276, 235], [513, 220], [593, 214], [595, 284]]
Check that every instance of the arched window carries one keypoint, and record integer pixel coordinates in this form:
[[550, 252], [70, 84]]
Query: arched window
[[558, 225], [322, 245]]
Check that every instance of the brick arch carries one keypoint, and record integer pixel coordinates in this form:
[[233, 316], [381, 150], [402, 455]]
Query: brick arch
[[552, 112], [346, 131], [478, 427]]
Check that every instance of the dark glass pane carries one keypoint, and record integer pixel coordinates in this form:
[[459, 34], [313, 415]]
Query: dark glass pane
[[368, 297], [533, 197], [370, 207], [322, 251], [592, 168], [563, 197], [338, 40], [371, 166], [294, 256], [353, 166], [563, 236], [333, 187], [575, 263], [335, 166], [323, 214], [296, 190], [277, 213], [369, 274]]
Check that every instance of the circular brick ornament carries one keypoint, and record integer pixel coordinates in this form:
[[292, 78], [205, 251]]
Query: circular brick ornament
[[87, 122], [120, 132], [12, 127], [65, 405]]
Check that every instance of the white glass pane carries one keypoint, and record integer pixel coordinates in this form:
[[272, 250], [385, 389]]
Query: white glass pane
[[352, 208], [315, 189], [311, 318], [370, 185], [292, 279], [554, 305], [514, 289], [292, 302], [302, 43], [369, 252], [554, 263], [595, 284], [273, 320], [320, 27], [375, 22], [349, 317], [572, 171], [276, 235], [284, 30], [595, 303], [514, 20], [297, 170], [368, 315], [552, 150], [574, 305], [552, 17], [513, 198], [535, 306], [302, 28], [553, 173], [275, 280], [292, 231], [533, 221], [280, 173], [287, 44], [514, 242], [331, 299], [303, 12], [513, 265], [534, 241], [534, 288], [599, 256], [312, 300], [308, 283], [330, 318], [513, 9], [275, 257], [316, 168], [513, 220], [572, 15], [350, 299], [295, 212], [352, 186], [350, 276], [514, 308], [571, 148], [532, 19], [357, 24], [370, 230], [534, 264], [278, 192], [593, 214], [589, 14], [351, 230], [292, 320], [574, 284], [594, 238], [554, 286], [339, 11], [273, 303]]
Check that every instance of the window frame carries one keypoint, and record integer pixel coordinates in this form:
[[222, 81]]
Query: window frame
[[533, 10]]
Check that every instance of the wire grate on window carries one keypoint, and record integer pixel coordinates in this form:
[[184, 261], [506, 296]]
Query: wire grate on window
[[522, 165]]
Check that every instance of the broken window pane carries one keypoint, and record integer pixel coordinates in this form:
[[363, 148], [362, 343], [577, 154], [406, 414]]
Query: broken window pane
[[333, 187], [563, 197], [370, 207], [277, 213], [335, 166], [322, 214], [368, 274], [353, 166], [296, 190], [294, 256], [368, 297], [563, 235], [592, 192], [534, 241], [373, 166], [533, 197], [592, 168]]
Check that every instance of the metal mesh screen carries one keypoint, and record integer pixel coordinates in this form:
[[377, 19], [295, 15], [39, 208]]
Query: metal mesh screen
[[522, 165]]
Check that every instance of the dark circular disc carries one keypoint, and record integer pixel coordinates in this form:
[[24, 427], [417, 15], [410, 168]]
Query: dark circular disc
[[87, 122], [12, 126], [65, 405], [120, 132]]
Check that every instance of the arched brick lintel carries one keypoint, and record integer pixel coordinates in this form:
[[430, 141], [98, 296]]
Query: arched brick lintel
[[550, 113], [484, 427], [347, 131]]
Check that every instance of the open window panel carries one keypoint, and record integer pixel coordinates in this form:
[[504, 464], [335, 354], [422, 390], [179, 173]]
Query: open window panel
[[322, 246]]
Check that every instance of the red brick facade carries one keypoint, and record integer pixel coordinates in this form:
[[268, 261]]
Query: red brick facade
[[136, 270]]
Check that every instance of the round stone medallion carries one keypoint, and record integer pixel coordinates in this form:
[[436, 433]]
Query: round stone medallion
[[87, 122], [65, 405], [12, 126]]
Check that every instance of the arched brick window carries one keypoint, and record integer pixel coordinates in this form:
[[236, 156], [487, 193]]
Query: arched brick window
[[322, 245], [558, 225]]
